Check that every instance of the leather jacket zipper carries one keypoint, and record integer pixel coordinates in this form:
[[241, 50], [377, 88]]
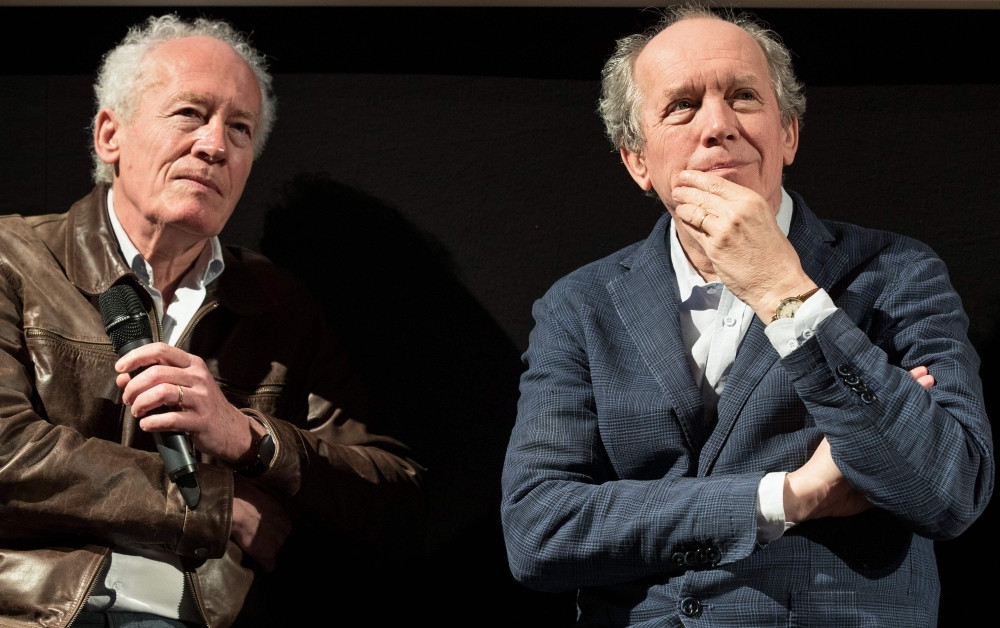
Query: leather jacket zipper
[[194, 596], [34, 332], [266, 389], [90, 589], [202, 312], [156, 317]]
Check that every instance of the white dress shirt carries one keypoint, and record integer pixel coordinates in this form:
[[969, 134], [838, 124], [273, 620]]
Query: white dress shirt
[[713, 324], [152, 581]]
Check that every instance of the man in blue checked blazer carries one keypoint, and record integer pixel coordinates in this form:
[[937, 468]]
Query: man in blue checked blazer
[[753, 417]]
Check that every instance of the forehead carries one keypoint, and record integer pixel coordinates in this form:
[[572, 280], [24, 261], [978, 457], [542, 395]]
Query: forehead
[[203, 66], [700, 50]]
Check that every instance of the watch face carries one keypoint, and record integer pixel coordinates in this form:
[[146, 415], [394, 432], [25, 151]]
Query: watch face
[[787, 308]]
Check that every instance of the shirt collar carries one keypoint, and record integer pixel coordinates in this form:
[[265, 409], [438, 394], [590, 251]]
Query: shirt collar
[[687, 277], [207, 268]]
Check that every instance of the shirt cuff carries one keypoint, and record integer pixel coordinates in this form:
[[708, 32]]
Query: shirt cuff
[[787, 334], [771, 522]]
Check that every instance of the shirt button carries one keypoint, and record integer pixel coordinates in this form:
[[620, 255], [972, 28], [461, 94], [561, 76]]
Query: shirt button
[[712, 290], [792, 344], [730, 321], [807, 334]]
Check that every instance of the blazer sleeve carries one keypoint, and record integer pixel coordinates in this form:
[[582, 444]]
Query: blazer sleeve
[[569, 522], [925, 456]]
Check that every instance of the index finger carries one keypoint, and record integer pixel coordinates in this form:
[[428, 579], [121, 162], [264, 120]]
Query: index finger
[[713, 184], [154, 353]]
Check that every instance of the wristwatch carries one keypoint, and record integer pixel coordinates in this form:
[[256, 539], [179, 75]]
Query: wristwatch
[[788, 307], [265, 453]]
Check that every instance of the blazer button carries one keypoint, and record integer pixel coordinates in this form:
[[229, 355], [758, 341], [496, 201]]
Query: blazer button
[[691, 558], [678, 559], [868, 397], [844, 371], [691, 607], [852, 380], [714, 555]]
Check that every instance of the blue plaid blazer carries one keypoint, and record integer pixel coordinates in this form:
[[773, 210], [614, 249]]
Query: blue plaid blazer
[[614, 486]]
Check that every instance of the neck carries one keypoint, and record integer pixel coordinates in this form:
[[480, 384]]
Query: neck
[[695, 254], [169, 251]]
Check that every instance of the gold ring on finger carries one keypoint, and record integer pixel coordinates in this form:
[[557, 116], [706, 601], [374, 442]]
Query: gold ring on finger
[[180, 398], [703, 221]]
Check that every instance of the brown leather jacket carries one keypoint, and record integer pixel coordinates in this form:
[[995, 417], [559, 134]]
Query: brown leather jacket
[[77, 476]]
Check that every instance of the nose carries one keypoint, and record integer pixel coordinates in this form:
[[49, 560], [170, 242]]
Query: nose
[[210, 144], [719, 122]]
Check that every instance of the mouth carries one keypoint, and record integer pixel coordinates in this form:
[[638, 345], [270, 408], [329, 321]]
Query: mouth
[[722, 167], [200, 181]]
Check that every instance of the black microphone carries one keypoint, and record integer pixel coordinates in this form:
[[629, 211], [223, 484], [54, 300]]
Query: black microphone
[[128, 327]]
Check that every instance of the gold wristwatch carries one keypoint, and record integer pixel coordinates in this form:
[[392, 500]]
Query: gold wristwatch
[[788, 307]]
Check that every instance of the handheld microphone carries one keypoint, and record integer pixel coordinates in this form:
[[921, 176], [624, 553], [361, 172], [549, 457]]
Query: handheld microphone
[[127, 325]]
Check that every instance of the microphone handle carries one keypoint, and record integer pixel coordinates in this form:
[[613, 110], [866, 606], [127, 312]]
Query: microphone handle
[[178, 461]]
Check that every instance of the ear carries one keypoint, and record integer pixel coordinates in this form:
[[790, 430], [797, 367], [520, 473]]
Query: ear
[[636, 165], [107, 130], [790, 142]]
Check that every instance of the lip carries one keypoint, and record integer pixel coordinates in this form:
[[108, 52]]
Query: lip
[[202, 181], [723, 166]]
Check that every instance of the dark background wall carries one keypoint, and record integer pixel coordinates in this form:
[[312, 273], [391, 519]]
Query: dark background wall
[[433, 171]]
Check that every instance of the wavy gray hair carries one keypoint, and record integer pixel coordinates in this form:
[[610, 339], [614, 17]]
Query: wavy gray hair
[[122, 77], [621, 98]]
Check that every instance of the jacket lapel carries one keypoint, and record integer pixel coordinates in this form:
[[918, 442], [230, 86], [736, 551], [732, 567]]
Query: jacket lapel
[[646, 301], [755, 357]]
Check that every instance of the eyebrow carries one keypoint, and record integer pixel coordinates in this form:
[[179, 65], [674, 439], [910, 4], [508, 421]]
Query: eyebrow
[[743, 80], [201, 99]]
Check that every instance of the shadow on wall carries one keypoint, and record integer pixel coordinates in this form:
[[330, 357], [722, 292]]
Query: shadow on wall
[[442, 377]]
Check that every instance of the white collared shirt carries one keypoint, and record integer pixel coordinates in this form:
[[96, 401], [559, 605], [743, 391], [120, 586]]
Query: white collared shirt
[[152, 581], [713, 324]]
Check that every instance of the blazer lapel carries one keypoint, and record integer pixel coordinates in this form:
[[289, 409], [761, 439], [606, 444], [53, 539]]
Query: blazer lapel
[[755, 357], [646, 301]]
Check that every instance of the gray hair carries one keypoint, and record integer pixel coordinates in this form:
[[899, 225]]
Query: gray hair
[[621, 98], [121, 79]]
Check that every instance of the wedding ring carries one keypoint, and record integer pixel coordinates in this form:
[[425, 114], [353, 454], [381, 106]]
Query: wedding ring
[[703, 221], [180, 398]]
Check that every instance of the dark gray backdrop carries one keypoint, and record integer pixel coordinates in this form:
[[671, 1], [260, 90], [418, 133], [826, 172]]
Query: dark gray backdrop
[[428, 204]]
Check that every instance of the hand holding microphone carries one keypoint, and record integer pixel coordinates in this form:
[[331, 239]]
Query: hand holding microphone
[[173, 392], [127, 325]]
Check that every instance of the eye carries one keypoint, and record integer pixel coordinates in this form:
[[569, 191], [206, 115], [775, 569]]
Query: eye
[[189, 112], [680, 106], [239, 127]]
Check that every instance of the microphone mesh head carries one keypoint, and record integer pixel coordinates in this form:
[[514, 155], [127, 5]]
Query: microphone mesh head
[[124, 318]]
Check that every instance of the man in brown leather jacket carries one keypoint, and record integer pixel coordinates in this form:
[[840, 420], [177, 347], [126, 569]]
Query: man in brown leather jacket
[[92, 531]]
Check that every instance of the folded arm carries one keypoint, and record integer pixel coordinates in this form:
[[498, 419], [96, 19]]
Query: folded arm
[[569, 521], [924, 455]]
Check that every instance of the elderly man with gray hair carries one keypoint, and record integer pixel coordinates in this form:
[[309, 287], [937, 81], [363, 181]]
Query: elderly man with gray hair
[[754, 417], [94, 531]]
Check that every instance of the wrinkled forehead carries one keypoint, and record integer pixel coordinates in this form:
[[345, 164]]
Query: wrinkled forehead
[[701, 49], [202, 65]]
